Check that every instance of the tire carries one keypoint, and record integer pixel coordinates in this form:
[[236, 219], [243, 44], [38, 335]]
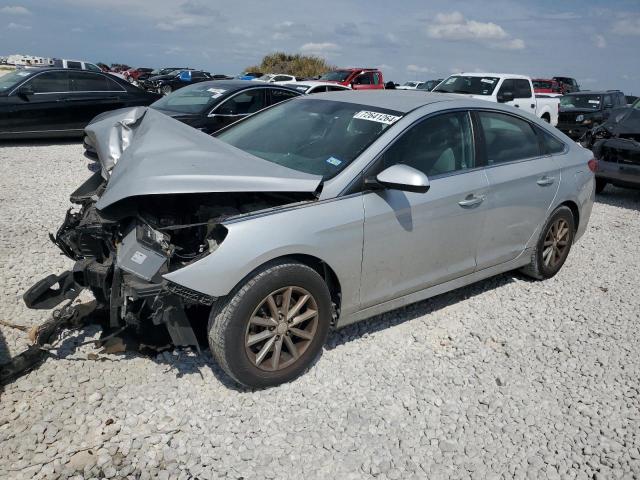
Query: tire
[[600, 185], [231, 327], [166, 90], [546, 118], [541, 266]]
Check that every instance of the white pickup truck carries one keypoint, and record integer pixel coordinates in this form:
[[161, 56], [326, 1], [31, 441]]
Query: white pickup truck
[[515, 90]]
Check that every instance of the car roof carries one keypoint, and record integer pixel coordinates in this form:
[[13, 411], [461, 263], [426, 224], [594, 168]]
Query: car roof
[[399, 100], [237, 84], [491, 74]]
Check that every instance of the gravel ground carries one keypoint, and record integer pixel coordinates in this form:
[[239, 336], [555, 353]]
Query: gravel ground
[[507, 378]]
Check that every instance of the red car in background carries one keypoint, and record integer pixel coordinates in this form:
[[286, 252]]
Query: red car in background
[[356, 78], [545, 85], [133, 73]]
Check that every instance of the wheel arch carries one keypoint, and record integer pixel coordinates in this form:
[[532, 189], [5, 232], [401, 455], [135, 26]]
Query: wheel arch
[[575, 211]]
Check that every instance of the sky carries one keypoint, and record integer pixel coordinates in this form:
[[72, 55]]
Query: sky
[[597, 42]]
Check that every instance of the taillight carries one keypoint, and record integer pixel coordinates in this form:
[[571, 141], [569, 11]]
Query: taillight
[[593, 165]]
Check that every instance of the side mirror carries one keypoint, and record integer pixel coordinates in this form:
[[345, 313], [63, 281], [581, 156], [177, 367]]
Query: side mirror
[[185, 76], [26, 90], [505, 97], [402, 177]]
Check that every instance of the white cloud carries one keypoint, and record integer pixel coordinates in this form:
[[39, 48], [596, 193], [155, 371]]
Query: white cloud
[[599, 41], [183, 22], [455, 27], [417, 69], [513, 44], [15, 10], [627, 26], [319, 48], [18, 26]]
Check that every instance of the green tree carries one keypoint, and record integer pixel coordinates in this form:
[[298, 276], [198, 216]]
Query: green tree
[[292, 64]]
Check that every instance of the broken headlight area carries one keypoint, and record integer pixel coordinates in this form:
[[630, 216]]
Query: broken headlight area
[[121, 255]]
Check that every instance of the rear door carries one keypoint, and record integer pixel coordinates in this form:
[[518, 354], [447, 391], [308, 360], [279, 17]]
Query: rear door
[[523, 183], [44, 110], [92, 93]]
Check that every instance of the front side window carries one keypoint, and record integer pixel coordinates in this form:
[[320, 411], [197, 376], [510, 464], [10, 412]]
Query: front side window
[[244, 103], [91, 67], [468, 84], [508, 86], [363, 79], [76, 65], [50, 82], [507, 138], [438, 145], [320, 137], [523, 88], [336, 76]]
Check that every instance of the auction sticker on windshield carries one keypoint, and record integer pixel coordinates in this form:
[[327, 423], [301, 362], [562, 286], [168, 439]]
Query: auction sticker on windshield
[[216, 92], [376, 117]]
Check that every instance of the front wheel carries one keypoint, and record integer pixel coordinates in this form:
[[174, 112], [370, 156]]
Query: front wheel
[[553, 245], [272, 328], [166, 90], [600, 185]]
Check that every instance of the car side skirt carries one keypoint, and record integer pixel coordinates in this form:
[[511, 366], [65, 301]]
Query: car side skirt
[[523, 259]]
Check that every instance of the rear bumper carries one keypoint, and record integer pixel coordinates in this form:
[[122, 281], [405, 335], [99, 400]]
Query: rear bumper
[[622, 175], [618, 162]]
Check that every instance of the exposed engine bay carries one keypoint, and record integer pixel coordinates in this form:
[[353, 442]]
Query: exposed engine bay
[[618, 139], [122, 253]]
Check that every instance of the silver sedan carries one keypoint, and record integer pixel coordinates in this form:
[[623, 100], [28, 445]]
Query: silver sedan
[[313, 214]]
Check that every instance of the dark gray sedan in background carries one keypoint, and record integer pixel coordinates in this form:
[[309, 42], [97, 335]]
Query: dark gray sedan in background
[[316, 213]]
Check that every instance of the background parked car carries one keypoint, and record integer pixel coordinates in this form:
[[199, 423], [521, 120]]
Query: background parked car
[[582, 111], [315, 86], [75, 64], [143, 77], [356, 78], [166, 84], [546, 85], [134, 73], [567, 84], [411, 85], [429, 85], [210, 106], [55, 102], [280, 78], [249, 75]]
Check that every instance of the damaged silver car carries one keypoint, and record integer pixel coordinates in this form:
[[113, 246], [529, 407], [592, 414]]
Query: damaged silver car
[[313, 214]]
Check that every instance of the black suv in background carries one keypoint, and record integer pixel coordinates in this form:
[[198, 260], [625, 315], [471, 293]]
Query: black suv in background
[[567, 84], [175, 80], [582, 111]]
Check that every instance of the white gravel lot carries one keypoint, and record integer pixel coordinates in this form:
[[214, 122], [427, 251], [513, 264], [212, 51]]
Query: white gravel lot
[[508, 378]]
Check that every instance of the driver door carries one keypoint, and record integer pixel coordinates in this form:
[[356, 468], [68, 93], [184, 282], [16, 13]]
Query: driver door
[[413, 241]]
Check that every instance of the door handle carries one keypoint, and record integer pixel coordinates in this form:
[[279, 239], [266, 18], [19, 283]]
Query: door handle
[[533, 105], [471, 201], [544, 181], [517, 106]]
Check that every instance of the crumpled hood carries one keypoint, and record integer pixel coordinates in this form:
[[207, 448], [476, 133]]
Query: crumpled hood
[[166, 156]]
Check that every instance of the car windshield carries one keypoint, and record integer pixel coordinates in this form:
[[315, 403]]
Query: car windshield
[[11, 79], [320, 137], [192, 99], [592, 102], [336, 76], [266, 78], [468, 84]]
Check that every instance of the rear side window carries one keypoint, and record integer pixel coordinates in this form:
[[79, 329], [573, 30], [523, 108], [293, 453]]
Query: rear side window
[[550, 143], [376, 78], [243, 103], [507, 138], [50, 82], [76, 65], [91, 82], [278, 95]]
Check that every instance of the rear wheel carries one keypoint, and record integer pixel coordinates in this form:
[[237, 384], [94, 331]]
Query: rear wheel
[[553, 245], [271, 329], [600, 185]]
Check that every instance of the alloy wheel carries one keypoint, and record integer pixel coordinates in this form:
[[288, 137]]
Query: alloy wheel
[[281, 328], [556, 243]]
